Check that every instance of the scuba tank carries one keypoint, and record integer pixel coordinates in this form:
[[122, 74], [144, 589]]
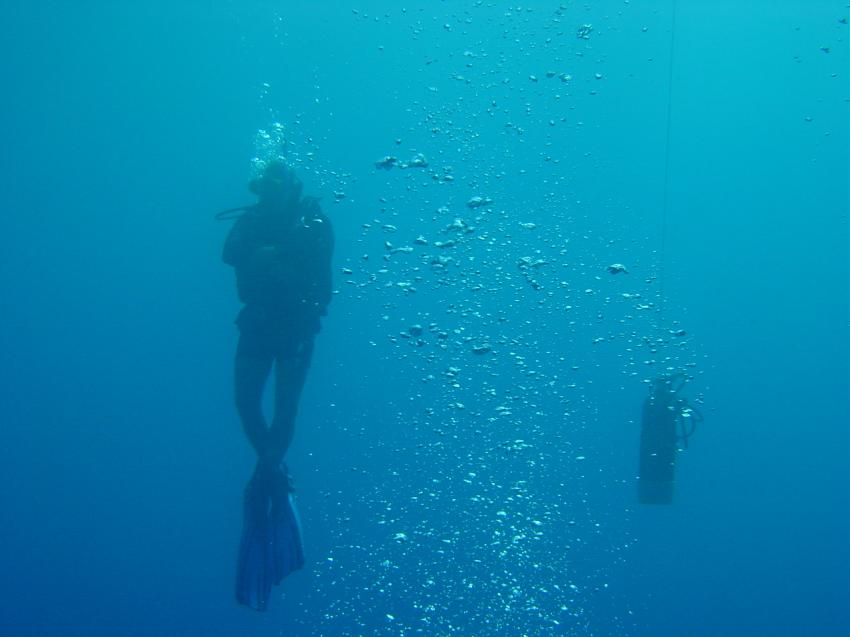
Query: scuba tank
[[667, 420]]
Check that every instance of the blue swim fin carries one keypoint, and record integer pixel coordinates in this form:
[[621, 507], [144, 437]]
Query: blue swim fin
[[285, 527], [253, 569], [270, 548]]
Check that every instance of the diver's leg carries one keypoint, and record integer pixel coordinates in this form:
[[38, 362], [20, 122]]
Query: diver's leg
[[290, 373], [252, 368]]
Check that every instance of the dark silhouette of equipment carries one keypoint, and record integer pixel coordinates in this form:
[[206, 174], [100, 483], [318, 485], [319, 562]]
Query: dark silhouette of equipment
[[667, 422]]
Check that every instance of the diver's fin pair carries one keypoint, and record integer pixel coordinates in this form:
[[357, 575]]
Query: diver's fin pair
[[270, 548]]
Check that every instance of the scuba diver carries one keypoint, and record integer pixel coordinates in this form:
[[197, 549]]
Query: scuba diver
[[280, 249], [665, 412]]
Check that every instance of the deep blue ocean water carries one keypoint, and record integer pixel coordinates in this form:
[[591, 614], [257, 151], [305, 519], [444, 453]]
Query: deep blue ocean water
[[442, 492]]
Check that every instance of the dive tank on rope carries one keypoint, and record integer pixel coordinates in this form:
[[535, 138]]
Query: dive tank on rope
[[666, 424]]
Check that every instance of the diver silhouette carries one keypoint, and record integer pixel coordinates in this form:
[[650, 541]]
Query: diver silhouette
[[281, 250]]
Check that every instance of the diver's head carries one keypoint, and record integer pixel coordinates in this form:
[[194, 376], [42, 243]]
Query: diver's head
[[277, 185]]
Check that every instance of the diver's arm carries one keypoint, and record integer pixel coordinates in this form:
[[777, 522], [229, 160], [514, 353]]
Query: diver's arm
[[245, 250], [238, 246]]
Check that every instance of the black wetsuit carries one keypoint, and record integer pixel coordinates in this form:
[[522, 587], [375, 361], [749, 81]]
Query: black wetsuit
[[282, 258]]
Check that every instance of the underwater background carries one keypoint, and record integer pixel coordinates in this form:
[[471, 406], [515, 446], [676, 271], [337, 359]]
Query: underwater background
[[466, 452]]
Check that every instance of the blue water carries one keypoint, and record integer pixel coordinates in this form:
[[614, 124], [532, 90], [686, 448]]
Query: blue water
[[442, 492]]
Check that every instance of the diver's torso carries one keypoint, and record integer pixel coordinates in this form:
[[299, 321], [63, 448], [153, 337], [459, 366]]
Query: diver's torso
[[287, 282]]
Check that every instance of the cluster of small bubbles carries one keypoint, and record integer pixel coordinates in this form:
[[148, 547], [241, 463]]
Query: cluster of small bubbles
[[505, 300], [270, 145]]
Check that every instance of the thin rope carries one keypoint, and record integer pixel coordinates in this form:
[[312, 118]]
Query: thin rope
[[666, 194]]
